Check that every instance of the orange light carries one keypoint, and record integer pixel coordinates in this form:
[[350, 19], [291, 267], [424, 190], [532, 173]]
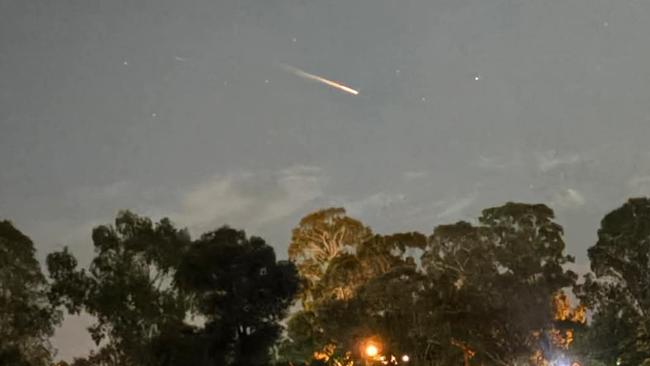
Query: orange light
[[372, 350]]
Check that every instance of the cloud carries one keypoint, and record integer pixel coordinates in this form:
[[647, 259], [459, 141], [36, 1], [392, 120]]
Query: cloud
[[249, 199], [490, 162], [300, 186], [569, 198], [640, 185], [213, 199], [638, 181], [97, 195], [454, 209], [374, 204], [550, 160], [416, 174]]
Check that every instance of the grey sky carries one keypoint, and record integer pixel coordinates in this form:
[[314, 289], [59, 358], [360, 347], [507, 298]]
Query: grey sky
[[182, 109]]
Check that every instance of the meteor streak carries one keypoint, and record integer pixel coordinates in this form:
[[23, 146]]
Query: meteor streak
[[303, 74]]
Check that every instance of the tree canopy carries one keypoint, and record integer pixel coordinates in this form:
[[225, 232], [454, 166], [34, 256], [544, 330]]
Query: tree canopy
[[128, 287], [27, 320], [147, 279], [619, 289], [319, 238], [241, 290], [492, 291], [482, 292]]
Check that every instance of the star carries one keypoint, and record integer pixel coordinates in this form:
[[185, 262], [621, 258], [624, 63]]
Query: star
[[477, 77], [125, 63], [294, 40], [154, 115], [266, 81]]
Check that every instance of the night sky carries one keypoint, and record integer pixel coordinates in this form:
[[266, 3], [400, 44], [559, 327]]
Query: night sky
[[184, 109]]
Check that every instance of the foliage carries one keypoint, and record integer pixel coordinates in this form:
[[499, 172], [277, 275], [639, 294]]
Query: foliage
[[241, 291], [147, 279], [478, 293], [319, 238], [26, 318], [488, 293], [347, 295], [568, 320], [128, 286], [493, 283], [619, 292]]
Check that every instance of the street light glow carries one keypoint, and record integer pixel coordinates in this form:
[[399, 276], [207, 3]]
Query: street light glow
[[406, 358], [371, 350]]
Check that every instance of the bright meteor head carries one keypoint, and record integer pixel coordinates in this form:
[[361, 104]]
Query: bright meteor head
[[303, 74]]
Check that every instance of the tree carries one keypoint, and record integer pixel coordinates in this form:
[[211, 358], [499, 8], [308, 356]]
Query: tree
[[26, 318], [620, 291], [128, 286], [392, 307], [493, 284], [388, 301], [560, 340], [610, 337], [460, 273], [622, 252], [568, 320], [529, 251], [242, 292], [105, 356], [147, 279], [479, 294], [350, 295], [319, 238], [303, 338]]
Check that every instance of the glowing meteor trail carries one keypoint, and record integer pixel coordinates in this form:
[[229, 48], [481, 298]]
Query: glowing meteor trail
[[333, 84]]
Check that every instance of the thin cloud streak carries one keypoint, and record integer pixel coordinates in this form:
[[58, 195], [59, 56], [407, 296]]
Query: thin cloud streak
[[249, 199], [569, 198], [455, 209]]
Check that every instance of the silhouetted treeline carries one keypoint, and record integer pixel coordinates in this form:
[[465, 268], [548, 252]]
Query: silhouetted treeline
[[490, 293]]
